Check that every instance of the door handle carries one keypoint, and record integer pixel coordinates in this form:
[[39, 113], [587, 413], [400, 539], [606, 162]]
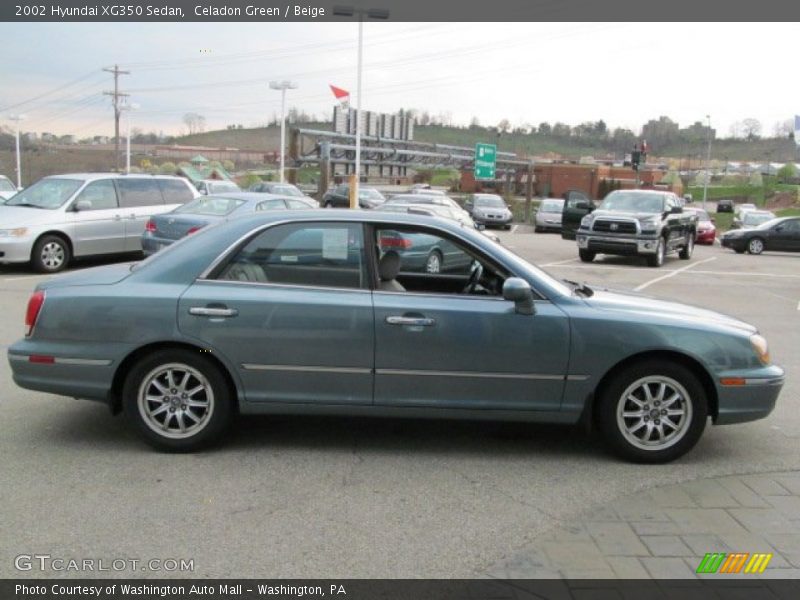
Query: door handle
[[117, 217], [411, 321], [131, 216], [208, 311]]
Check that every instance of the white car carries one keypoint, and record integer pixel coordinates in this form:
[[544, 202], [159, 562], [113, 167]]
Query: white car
[[85, 214], [7, 188], [742, 208]]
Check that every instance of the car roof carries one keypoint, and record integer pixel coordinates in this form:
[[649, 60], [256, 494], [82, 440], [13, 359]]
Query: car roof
[[249, 196], [96, 176], [650, 192]]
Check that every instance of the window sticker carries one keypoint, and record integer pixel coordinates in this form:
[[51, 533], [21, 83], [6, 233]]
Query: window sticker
[[334, 244]]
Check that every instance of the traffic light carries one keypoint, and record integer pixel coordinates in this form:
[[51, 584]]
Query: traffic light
[[636, 158]]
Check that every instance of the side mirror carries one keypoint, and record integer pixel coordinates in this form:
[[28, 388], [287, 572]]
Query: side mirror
[[584, 206], [83, 205], [519, 292], [688, 198]]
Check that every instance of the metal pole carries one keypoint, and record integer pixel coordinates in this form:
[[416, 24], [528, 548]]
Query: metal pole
[[356, 183], [708, 164], [283, 131], [19, 162], [128, 143]]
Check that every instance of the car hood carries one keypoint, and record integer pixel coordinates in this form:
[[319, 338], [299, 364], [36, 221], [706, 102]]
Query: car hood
[[105, 275], [647, 305], [25, 216], [621, 214]]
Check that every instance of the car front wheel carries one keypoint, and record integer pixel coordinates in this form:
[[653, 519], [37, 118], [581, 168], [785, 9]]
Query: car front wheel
[[653, 412], [586, 256], [50, 254], [755, 246], [657, 259], [178, 400], [686, 251]]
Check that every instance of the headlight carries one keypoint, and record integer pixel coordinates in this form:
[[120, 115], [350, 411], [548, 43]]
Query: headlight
[[761, 348], [18, 232], [586, 221]]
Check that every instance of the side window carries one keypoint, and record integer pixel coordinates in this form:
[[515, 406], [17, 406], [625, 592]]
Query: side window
[[310, 254], [792, 226], [138, 191], [296, 204], [271, 205], [101, 194], [342, 190], [175, 191], [668, 204]]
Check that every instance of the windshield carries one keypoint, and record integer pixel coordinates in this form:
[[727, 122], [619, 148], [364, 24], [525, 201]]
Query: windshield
[[370, 194], [49, 193], [753, 219], [633, 202], [223, 186], [702, 215], [551, 206], [286, 190], [490, 201], [6, 185], [211, 206]]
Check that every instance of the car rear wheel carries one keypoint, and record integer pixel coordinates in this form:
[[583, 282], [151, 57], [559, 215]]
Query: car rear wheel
[[657, 259], [433, 264], [50, 254], [686, 251], [653, 412], [586, 256], [755, 246], [178, 400]]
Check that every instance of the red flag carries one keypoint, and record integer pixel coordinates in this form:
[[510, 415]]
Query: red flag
[[339, 92]]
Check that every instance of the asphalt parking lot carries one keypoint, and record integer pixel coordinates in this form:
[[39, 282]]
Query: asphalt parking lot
[[325, 497]]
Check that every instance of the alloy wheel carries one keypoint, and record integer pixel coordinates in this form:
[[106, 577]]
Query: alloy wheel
[[654, 412]]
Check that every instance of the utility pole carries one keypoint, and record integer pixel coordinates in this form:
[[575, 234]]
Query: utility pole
[[116, 95], [708, 164], [18, 118]]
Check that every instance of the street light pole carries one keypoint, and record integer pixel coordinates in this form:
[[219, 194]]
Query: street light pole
[[128, 108], [371, 13], [18, 119], [283, 86], [708, 164]]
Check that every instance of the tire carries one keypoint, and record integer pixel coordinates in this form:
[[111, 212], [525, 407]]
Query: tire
[[507, 227], [755, 246], [50, 254], [433, 264], [657, 259], [686, 251], [144, 400], [328, 204], [537, 229], [586, 256], [625, 409]]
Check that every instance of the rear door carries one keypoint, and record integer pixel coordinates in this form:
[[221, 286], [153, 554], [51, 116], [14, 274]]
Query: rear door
[[139, 199], [176, 192], [576, 206], [99, 229]]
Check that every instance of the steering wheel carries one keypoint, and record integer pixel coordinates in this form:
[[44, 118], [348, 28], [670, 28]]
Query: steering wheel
[[474, 278]]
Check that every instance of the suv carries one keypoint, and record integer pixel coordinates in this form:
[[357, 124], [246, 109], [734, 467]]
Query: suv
[[725, 206], [638, 223], [65, 216]]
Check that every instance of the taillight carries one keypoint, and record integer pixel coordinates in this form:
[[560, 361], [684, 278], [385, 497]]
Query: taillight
[[34, 308], [396, 242], [150, 225], [193, 229]]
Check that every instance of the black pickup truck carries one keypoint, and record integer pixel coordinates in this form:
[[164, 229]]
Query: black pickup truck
[[645, 223]]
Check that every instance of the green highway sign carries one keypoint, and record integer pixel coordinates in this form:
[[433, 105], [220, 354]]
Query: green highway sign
[[485, 161]]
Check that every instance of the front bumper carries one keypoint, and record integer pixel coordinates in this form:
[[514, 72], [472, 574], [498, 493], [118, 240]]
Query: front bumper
[[493, 220], [619, 245], [754, 399], [16, 250], [733, 243]]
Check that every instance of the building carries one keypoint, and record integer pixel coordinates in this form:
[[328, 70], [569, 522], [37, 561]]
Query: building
[[200, 170]]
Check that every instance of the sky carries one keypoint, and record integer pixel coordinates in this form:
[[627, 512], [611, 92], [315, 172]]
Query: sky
[[623, 73]]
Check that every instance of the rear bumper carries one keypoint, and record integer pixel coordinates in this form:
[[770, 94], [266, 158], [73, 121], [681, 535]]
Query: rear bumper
[[753, 400], [705, 237]]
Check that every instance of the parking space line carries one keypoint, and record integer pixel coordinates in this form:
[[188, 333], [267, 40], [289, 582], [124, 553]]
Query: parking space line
[[560, 262], [23, 277], [745, 274], [514, 228], [672, 274]]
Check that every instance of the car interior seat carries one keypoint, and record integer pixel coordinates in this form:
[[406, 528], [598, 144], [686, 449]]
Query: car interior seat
[[388, 268]]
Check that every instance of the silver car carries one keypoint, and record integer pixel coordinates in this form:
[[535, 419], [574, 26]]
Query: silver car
[[548, 217], [78, 215], [7, 188]]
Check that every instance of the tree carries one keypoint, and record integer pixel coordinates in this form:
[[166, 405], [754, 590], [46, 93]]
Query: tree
[[194, 122], [561, 130], [228, 165], [474, 123], [784, 129], [751, 128], [787, 172], [168, 168], [504, 125], [544, 128]]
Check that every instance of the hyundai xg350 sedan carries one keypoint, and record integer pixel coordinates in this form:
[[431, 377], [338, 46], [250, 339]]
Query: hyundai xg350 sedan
[[314, 312]]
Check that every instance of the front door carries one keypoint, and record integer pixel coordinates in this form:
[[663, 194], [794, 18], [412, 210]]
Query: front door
[[576, 206], [292, 312], [98, 228], [446, 338]]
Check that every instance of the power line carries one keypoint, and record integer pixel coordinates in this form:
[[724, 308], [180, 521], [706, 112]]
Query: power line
[[52, 91]]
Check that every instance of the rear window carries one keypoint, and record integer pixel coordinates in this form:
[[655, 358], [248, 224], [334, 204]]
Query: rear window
[[210, 206], [175, 191], [138, 191], [217, 187]]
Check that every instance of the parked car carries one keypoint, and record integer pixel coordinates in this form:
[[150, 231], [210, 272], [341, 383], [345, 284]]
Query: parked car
[[283, 189], [317, 313], [777, 234], [548, 217], [217, 186], [436, 210], [339, 197], [748, 219], [426, 191], [706, 227], [490, 210], [725, 206], [162, 230], [7, 188], [644, 223], [436, 199], [742, 208], [73, 216], [576, 206]]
